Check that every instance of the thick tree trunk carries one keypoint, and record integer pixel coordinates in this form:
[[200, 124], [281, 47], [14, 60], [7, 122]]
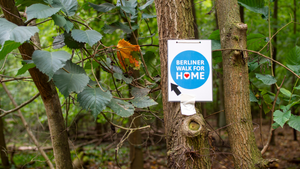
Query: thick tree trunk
[[3, 148], [175, 21], [48, 93], [236, 87]]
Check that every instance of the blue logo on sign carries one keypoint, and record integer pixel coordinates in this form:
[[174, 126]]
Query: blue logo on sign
[[189, 69]]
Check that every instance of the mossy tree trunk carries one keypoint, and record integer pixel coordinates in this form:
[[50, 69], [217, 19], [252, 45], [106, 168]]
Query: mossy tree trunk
[[186, 147], [236, 87], [48, 93]]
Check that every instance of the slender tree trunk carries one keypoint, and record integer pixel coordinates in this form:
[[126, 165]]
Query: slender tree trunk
[[48, 93], [236, 87], [175, 21], [135, 139], [3, 148]]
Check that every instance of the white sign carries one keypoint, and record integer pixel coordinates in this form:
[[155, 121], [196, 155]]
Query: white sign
[[190, 70]]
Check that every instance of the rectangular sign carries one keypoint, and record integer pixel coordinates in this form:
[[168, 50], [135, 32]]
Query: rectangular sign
[[189, 70]]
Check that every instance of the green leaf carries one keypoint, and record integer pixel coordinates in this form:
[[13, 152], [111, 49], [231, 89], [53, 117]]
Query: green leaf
[[281, 118], [139, 92], [94, 99], [118, 76], [285, 92], [255, 41], [294, 122], [266, 79], [50, 62], [88, 65], [48, 1], [7, 48], [13, 32], [128, 10], [256, 63], [71, 43], [293, 57], [89, 36], [59, 20], [147, 16], [127, 3], [59, 41], [40, 11], [67, 6], [146, 4], [297, 88], [294, 68], [114, 26], [143, 102], [68, 26], [26, 3], [150, 60], [76, 80], [215, 45], [127, 80], [257, 6], [252, 97], [105, 7], [275, 125], [215, 35], [25, 68], [121, 107]]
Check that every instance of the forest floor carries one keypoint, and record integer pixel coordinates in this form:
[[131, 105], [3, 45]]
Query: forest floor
[[102, 155]]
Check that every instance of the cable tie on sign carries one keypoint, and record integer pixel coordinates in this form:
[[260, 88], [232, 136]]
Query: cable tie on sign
[[187, 42]]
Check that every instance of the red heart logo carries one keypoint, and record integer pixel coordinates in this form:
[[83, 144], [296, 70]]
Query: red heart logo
[[186, 75]]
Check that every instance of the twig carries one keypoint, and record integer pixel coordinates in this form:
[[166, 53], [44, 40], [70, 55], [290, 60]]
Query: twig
[[16, 78], [18, 107], [3, 63], [262, 56], [28, 129], [271, 128], [213, 114]]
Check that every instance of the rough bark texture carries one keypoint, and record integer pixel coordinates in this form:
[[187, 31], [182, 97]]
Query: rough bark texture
[[3, 149], [48, 93], [175, 21], [236, 87]]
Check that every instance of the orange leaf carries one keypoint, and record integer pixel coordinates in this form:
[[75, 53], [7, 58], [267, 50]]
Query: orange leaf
[[125, 50]]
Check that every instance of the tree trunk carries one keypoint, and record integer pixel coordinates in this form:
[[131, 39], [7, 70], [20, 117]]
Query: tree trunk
[[48, 93], [175, 21], [3, 148], [135, 139], [236, 87]]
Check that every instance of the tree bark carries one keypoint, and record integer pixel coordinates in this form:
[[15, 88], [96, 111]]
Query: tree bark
[[236, 87], [3, 148], [48, 93], [175, 21]]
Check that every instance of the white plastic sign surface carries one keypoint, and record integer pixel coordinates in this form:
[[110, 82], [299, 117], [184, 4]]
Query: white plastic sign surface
[[189, 70]]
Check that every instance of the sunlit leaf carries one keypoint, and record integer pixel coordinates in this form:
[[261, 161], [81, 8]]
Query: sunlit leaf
[[13, 32], [94, 99], [40, 11], [50, 62], [285, 92], [121, 108], [8, 47], [89, 36], [147, 16], [24, 68]]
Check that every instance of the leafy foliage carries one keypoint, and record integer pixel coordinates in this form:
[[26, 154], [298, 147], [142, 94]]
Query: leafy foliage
[[294, 122], [72, 78], [94, 99], [89, 36], [121, 108], [105, 7], [257, 6], [40, 11], [8, 47], [59, 20], [13, 32], [50, 62], [127, 56], [24, 68], [114, 26], [142, 102], [146, 4], [69, 7], [59, 41], [266, 79], [71, 43], [281, 118]]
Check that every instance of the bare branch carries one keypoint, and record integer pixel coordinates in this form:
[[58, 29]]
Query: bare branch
[[16, 78]]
